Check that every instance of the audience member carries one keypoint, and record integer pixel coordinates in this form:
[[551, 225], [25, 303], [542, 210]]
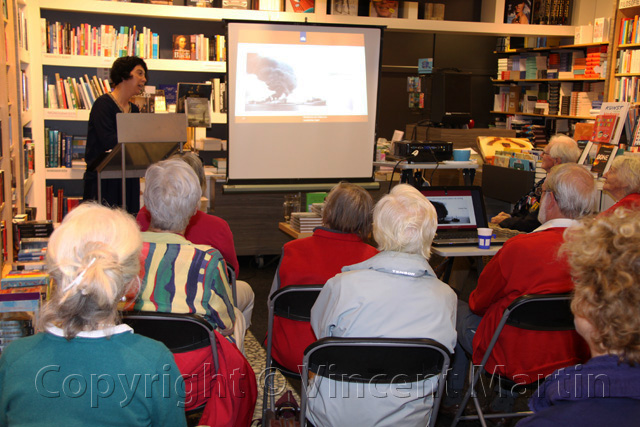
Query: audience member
[[622, 182], [83, 367], [314, 260], [180, 277], [526, 264], [210, 230], [524, 216], [395, 294], [604, 256]]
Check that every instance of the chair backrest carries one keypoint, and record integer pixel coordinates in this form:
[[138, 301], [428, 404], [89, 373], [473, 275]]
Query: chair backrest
[[179, 332], [294, 302], [381, 360], [550, 312], [544, 312]]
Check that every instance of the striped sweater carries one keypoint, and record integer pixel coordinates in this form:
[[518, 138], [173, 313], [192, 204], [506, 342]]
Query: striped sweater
[[180, 277]]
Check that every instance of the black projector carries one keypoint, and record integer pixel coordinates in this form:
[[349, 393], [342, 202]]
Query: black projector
[[428, 152]]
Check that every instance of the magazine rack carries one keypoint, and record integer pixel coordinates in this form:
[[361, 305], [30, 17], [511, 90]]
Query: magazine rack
[[143, 139]]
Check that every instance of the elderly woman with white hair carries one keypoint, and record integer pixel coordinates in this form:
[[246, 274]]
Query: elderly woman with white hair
[[622, 182], [181, 277], [83, 367], [394, 294]]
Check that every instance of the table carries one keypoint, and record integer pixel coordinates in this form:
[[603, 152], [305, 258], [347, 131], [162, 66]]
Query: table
[[289, 230], [451, 252], [410, 172]]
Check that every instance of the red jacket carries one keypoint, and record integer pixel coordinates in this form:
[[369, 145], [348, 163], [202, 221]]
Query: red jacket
[[311, 261], [526, 264], [203, 229], [630, 201], [230, 394]]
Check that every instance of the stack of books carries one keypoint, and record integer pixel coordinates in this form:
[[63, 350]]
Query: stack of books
[[11, 330], [305, 222], [317, 208], [503, 69]]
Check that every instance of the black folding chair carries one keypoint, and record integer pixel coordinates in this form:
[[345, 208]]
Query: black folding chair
[[179, 332], [550, 312], [379, 360], [291, 302]]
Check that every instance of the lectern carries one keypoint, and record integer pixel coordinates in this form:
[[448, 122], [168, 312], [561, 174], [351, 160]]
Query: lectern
[[143, 139]]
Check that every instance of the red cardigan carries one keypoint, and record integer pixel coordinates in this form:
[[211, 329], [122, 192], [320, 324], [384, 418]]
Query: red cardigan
[[203, 229], [630, 201], [526, 264], [311, 261]]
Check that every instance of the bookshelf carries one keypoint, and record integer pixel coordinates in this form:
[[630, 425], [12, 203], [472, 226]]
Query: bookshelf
[[623, 85], [13, 114], [169, 20], [575, 77]]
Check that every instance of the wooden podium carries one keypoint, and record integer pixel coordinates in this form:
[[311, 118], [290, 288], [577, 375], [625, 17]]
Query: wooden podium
[[143, 139]]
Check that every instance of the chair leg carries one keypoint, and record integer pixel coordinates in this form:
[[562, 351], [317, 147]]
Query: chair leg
[[474, 377]]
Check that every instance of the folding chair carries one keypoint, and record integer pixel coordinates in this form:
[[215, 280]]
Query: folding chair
[[291, 302], [179, 332], [550, 312], [380, 360]]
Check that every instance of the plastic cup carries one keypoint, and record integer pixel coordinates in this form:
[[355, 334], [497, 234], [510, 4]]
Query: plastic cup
[[461, 155], [484, 237]]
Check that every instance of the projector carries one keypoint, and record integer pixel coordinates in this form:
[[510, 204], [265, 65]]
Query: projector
[[428, 152]]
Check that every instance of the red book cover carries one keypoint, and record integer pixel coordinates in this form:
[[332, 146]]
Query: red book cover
[[605, 128]]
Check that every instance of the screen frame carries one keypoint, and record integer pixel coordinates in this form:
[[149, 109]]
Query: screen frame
[[230, 105]]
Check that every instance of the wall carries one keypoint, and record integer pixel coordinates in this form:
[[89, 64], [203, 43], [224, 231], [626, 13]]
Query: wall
[[466, 53]]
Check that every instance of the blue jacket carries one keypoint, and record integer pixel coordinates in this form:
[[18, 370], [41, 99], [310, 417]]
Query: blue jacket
[[602, 392]]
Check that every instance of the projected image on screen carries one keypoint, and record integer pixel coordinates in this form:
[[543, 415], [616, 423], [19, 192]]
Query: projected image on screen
[[302, 102], [293, 80]]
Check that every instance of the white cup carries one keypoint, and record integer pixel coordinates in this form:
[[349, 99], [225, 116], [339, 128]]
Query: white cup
[[484, 237]]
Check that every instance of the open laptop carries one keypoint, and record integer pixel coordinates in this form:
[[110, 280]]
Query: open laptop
[[461, 211]]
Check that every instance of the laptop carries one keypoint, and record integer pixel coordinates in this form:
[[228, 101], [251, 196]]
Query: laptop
[[461, 211]]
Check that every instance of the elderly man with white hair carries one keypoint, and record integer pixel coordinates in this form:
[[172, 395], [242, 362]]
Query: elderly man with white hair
[[527, 264], [524, 216], [394, 294]]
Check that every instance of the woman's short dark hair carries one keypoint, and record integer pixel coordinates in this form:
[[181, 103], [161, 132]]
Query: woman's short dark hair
[[349, 208], [122, 68]]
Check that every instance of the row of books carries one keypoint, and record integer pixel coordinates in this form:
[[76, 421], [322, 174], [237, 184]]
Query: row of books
[[62, 149], [557, 65], [58, 205], [627, 89], [551, 12], [629, 30], [104, 40], [628, 61], [198, 47], [527, 160], [566, 98], [71, 93]]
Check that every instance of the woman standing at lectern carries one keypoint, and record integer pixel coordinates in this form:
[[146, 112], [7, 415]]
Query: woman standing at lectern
[[128, 76]]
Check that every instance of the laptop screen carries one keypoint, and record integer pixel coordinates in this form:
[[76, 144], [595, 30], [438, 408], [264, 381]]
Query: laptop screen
[[458, 208]]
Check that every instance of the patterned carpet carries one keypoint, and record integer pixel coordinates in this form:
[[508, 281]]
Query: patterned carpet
[[257, 355]]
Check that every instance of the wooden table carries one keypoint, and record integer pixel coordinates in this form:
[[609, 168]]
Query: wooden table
[[288, 229]]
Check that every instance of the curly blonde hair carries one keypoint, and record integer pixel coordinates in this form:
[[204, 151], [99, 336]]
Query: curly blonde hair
[[604, 257]]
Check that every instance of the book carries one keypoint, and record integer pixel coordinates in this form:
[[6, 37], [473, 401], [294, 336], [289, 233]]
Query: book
[[383, 8], [191, 90], [197, 110], [181, 47], [604, 158], [605, 128], [517, 12], [621, 110]]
